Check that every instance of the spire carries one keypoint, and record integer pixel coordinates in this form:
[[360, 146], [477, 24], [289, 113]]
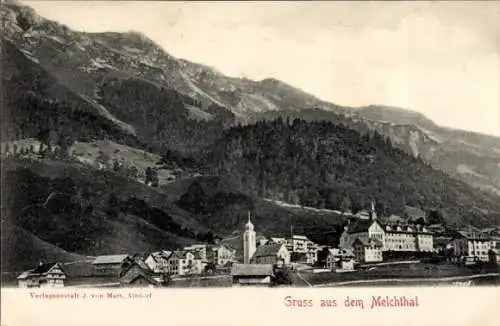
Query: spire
[[249, 225], [373, 211]]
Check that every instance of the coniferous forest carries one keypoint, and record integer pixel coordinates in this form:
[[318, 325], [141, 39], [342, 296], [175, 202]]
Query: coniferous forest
[[324, 165]]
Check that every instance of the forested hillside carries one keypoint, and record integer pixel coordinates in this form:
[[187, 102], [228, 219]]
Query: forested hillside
[[322, 164]]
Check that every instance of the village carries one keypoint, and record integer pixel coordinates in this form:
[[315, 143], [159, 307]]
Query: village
[[367, 243]]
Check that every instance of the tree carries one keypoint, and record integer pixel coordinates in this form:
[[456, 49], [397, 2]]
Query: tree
[[345, 206], [113, 205], [420, 221], [282, 276], [151, 177], [116, 166]]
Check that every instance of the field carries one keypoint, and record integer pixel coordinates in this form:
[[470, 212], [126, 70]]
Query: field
[[392, 275], [212, 281]]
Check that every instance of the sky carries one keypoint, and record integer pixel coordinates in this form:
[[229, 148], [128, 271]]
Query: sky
[[438, 58]]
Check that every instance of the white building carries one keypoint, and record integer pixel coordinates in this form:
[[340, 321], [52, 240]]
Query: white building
[[368, 251], [45, 275], [338, 258], [185, 263], [220, 255], [469, 244], [392, 237], [200, 248], [298, 243], [249, 241], [158, 261]]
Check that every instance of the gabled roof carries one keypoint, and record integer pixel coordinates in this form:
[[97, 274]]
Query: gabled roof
[[278, 240], [268, 250], [39, 270], [252, 270], [110, 259], [24, 275], [158, 255], [44, 268], [472, 235], [128, 276], [441, 241], [361, 226]]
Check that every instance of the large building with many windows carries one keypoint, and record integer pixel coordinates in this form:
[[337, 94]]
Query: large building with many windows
[[395, 237]]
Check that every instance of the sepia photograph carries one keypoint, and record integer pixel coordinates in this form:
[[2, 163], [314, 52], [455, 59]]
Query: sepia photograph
[[171, 144]]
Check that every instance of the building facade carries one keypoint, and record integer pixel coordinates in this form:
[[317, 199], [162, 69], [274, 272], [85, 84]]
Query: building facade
[[220, 255], [368, 251], [44, 276], [252, 274], [111, 265], [471, 245], [339, 258], [158, 261], [271, 254], [183, 262], [409, 238]]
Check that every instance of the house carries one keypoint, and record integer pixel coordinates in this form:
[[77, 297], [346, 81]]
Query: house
[[44, 275], [183, 262], [297, 243], [312, 256], [200, 248], [220, 255], [111, 265], [158, 261], [271, 254], [368, 251], [495, 248], [252, 274], [138, 274], [471, 245], [340, 258]]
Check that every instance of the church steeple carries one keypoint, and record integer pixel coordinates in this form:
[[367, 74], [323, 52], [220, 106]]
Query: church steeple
[[373, 212], [249, 241]]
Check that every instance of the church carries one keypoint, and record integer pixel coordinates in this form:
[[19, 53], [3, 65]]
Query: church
[[271, 253]]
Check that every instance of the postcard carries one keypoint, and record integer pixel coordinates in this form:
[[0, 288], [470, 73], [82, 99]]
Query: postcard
[[249, 163]]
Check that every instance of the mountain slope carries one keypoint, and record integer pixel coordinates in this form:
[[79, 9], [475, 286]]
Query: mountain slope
[[320, 164], [470, 157], [22, 250], [101, 67]]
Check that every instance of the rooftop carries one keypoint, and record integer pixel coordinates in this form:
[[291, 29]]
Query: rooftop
[[268, 250], [110, 259], [252, 270]]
